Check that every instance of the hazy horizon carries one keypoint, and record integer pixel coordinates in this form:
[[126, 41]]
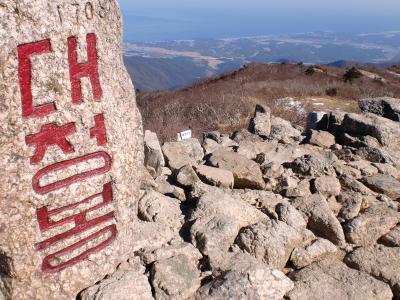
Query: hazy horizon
[[156, 20]]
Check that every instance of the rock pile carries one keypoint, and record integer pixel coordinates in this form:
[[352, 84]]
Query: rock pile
[[270, 212]]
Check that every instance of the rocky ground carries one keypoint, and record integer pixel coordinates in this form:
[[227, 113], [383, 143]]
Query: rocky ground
[[272, 212]]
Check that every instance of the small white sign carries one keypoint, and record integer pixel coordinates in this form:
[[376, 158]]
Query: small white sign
[[184, 135]]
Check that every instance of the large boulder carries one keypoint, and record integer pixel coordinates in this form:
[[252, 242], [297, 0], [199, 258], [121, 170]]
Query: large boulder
[[187, 176], [215, 176], [217, 220], [317, 120], [384, 184], [179, 154], [150, 255], [392, 239], [119, 285], [71, 147], [327, 186], [176, 277], [313, 165], [251, 149], [332, 279], [379, 261], [283, 130], [246, 172], [291, 216], [155, 207], [261, 122], [372, 224], [321, 138], [385, 106], [351, 203], [255, 282], [386, 131], [153, 156], [316, 251], [321, 219], [269, 241]]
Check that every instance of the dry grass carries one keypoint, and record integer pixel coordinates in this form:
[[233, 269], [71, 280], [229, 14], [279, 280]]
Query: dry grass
[[227, 103]]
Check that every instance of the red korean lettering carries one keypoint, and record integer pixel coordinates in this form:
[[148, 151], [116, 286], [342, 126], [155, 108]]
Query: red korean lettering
[[74, 178], [50, 135], [99, 130], [25, 52], [88, 69], [81, 225]]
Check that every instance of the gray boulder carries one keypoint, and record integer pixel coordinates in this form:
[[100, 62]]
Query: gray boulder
[[257, 282], [165, 188], [321, 138], [246, 172], [349, 183], [186, 176], [372, 224], [283, 130], [260, 124], [350, 205], [321, 219], [269, 241], [379, 261], [217, 220], [316, 251], [149, 256], [215, 176], [119, 285], [392, 239], [386, 131], [153, 156], [251, 149], [155, 207], [291, 216], [332, 279], [385, 106], [179, 154], [384, 184], [327, 186], [313, 165], [175, 278], [387, 169]]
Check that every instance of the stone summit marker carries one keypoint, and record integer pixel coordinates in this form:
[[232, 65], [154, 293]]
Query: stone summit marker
[[70, 147]]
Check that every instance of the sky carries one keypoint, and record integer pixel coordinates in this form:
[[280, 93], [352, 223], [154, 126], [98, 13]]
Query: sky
[[156, 20]]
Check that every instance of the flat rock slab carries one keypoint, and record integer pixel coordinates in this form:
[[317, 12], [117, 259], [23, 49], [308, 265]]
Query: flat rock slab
[[332, 279], [384, 184], [70, 147]]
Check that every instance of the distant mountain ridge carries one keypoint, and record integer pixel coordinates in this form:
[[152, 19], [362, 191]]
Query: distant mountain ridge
[[176, 64]]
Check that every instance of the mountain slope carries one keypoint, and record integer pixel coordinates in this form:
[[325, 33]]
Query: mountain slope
[[228, 101]]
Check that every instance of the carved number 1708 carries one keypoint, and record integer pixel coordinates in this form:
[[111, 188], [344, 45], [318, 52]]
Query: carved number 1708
[[81, 12]]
